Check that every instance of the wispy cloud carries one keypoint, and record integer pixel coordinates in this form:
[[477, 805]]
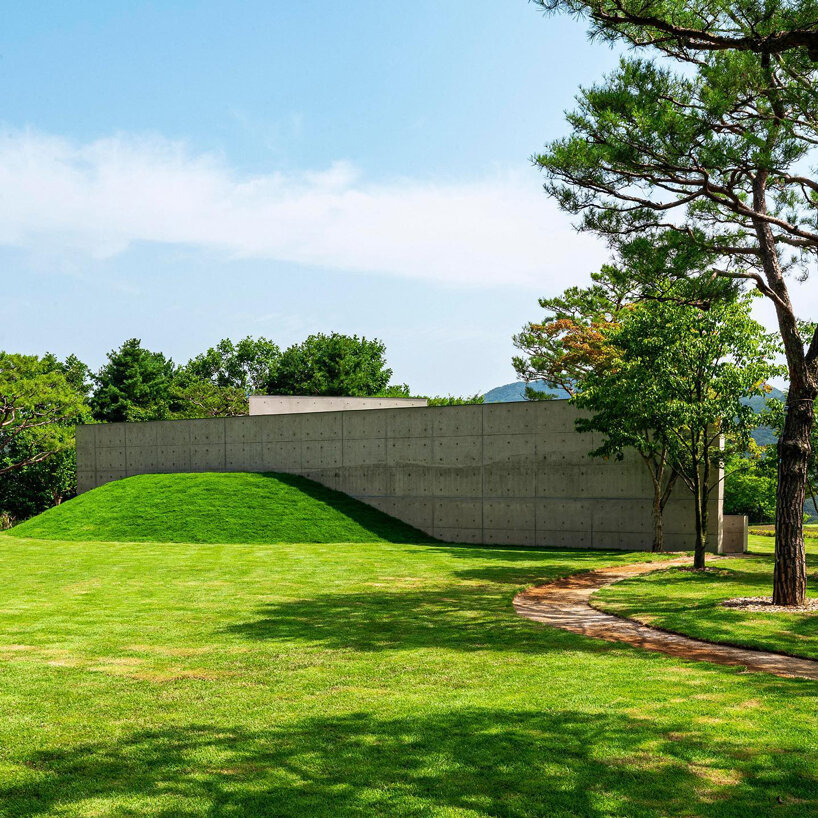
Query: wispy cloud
[[100, 198]]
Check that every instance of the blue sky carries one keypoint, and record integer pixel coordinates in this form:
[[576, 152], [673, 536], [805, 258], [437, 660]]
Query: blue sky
[[187, 171]]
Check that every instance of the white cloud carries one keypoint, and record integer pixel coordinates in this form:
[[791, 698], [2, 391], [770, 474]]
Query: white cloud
[[99, 198]]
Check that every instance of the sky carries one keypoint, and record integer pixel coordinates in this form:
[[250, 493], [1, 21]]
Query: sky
[[183, 172]]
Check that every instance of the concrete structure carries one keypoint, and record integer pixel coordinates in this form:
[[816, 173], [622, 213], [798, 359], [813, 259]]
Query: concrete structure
[[292, 405], [734, 534], [506, 473]]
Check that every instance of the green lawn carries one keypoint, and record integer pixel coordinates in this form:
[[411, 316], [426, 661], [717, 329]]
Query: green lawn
[[368, 679], [690, 603], [272, 648], [217, 508]]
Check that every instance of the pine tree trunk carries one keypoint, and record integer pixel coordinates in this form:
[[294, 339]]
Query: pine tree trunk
[[794, 449], [790, 574]]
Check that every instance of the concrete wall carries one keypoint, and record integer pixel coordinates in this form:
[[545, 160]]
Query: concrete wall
[[734, 534], [289, 405], [514, 473]]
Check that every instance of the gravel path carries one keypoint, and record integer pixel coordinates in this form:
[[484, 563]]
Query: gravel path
[[565, 604]]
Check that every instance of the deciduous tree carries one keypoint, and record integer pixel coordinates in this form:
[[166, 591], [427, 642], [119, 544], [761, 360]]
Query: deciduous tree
[[38, 407], [677, 383], [249, 365], [567, 347], [335, 364]]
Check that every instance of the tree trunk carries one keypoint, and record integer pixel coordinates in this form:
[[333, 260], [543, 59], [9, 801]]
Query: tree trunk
[[699, 488], [789, 577], [658, 521], [657, 466], [701, 530], [704, 514], [794, 449]]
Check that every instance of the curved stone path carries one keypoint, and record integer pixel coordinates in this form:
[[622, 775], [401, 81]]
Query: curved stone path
[[565, 604]]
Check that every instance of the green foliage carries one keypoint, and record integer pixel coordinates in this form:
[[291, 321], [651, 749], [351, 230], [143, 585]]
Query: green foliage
[[395, 390], [709, 153], [451, 400], [45, 398], [676, 383], [248, 366], [77, 374], [645, 140], [749, 487], [32, 489], [217, 508], [204, 399], [680, 371], [688, 30], [564, 346], [134, 385], [334, 365], [38, 407]]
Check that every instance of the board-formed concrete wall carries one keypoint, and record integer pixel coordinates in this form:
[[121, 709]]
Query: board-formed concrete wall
[[292, 404], [511, 474]]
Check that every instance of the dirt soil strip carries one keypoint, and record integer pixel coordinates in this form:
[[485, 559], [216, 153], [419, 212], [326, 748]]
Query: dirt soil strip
[[565, 604]]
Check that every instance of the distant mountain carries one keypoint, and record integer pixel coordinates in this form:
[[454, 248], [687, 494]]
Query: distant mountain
[[758, 401], [511, 392], [764, 435]]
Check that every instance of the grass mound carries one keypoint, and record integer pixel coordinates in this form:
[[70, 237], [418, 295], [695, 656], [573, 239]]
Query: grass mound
[[217, 508]]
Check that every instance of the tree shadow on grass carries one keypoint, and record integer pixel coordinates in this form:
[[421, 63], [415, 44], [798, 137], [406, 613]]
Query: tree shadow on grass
[[691, 603], [401, 620], [470, 762]]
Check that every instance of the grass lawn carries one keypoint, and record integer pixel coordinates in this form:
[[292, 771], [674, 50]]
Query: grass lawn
[[690, 603], [368, 679]]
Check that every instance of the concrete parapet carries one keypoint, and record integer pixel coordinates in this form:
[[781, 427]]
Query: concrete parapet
[[498, 474]]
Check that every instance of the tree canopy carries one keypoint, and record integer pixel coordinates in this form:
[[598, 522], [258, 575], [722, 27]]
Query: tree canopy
[[249, 365], [687, 30], [336, 364], [134, 385], [38, 407]]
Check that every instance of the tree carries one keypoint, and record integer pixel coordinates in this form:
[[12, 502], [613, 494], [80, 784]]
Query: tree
[[683, 373], [38, 407], [570, 344], [711, 157], [335, 364], [250, 365], [134, 385]]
